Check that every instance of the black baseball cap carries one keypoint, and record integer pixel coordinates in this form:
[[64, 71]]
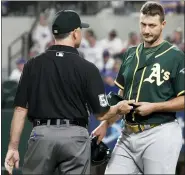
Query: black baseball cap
[[66, 21]]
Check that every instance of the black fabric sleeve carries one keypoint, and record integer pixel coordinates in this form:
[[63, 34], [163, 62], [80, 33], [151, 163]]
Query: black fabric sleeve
[[21, 98], [96, 96], [178, 83]]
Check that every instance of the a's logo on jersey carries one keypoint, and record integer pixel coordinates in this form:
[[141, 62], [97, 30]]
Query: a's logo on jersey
[[103, 100], [156, 75], [182, 71]]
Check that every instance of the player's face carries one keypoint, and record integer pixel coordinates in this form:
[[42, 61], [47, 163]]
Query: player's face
[[151, 28], [78, 37]]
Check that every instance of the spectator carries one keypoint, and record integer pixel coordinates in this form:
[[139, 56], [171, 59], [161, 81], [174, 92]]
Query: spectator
[[84, 45], [4, 8], [168, 38], [93, 52], [177, 37], [16, 73], [182, 47], [133, 40], [113, 43], [42, 35], [170, 6], [118, 6], [108, 62], [110, 76]]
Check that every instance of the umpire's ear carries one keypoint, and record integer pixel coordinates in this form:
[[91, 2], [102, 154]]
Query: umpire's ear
[[76, 34]]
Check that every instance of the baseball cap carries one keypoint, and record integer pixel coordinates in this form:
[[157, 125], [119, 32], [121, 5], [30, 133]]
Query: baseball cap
[[66, 21], [21, 61], [106, 53]]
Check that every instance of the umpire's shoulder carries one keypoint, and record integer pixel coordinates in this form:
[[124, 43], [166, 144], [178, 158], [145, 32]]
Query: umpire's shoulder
[[88, 66], [35, 58], [32, 61]]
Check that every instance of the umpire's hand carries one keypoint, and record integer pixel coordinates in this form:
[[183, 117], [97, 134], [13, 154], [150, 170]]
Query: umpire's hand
[[124, 106], [11, 160], [100, 131]]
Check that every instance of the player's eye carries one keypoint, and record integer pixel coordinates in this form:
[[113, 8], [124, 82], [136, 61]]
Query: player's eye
[[143, 24], [152, 25]]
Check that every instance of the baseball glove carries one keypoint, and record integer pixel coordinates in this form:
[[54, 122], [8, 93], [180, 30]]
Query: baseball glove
[[100, 153]]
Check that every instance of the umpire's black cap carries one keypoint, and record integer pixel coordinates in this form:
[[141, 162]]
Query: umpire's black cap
[[66, 21]]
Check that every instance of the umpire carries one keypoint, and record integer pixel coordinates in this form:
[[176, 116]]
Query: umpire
[[57, 90]]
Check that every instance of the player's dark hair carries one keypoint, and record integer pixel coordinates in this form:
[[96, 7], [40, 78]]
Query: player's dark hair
[[61, 36], [153, 8]]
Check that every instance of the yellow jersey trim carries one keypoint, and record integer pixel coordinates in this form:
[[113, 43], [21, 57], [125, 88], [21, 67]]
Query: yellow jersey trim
[[164, 52], [119, 85], [180, 93], [137, 55], [140, 84]]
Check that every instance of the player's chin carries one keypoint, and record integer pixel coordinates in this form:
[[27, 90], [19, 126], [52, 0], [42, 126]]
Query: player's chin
[[148, 40]]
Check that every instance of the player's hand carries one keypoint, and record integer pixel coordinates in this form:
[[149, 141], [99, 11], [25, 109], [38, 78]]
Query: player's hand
[[11, 160], [144, 108], [124, 107], [100, 131]]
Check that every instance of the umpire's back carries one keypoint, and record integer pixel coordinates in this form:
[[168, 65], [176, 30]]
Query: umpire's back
[[58, 82]]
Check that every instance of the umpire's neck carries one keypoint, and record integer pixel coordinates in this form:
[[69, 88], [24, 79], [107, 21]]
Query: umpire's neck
[[65, 42]]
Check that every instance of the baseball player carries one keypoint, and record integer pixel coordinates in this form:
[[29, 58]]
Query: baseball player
[[153, 74]]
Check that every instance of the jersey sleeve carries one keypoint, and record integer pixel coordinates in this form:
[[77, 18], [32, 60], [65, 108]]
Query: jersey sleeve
[[96, 96], [178, 83], [119, 81], [21, 97]]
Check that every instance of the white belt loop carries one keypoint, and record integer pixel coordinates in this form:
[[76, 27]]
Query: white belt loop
[[67, 122], [58, 122], [147, 126], [48, 122]]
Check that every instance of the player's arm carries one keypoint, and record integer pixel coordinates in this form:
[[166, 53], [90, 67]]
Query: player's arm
[[20, 111], [176, 104]]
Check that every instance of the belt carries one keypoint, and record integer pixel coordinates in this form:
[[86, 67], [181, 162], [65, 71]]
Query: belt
[[39, 122], [136, 128]]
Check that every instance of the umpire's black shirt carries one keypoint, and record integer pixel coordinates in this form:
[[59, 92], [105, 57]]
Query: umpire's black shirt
[[60, 84]]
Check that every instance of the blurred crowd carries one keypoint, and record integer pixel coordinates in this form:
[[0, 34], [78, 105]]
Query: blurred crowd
[[106, 53], [119, 7]]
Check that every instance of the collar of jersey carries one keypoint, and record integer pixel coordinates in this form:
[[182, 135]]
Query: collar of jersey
[[63, 48]]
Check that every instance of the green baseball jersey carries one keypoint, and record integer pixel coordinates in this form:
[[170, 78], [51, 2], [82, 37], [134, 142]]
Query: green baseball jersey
[[152, 75]]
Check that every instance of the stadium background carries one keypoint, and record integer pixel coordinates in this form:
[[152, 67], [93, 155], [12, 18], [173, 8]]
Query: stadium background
[[114, 28]]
